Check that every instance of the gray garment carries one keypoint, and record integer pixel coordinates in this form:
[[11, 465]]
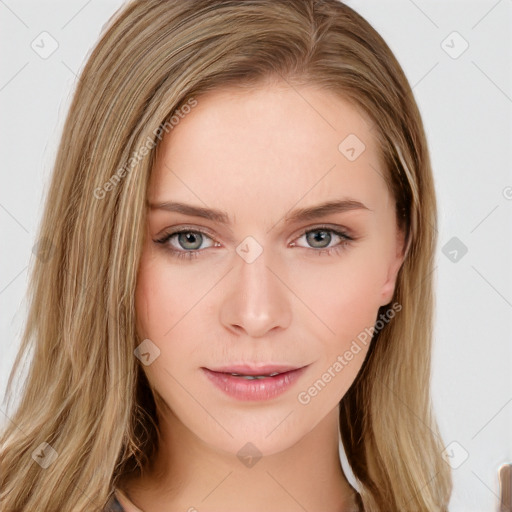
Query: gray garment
[[113, 505]]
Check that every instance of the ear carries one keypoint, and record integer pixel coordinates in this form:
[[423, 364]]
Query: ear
[[395, 263]]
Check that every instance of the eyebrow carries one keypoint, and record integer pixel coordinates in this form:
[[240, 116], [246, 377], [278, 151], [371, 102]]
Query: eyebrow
[[296, 216]]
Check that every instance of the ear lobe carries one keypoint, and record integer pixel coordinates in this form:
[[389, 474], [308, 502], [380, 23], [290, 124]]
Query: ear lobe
[[388, 288]]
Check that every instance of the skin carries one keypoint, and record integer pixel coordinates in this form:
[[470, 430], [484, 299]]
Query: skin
[[257, 155]]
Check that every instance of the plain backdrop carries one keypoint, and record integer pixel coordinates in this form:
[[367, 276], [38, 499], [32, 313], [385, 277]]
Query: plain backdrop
[[457, 56]]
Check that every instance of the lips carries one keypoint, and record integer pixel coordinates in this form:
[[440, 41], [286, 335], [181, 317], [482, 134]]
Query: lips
[[267, 370], [254, 382]]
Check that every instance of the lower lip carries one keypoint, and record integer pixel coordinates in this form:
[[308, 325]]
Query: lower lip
[[254, 389]]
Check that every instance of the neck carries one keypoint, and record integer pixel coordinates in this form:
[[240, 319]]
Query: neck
[[188, 473]]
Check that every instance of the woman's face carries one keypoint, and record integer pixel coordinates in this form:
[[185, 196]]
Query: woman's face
[[255, 273]]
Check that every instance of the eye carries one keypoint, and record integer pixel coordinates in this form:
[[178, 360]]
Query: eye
[[321, 236], [188, 240]]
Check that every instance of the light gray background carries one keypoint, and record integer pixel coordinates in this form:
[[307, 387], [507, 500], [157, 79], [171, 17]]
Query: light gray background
[[466, 103]]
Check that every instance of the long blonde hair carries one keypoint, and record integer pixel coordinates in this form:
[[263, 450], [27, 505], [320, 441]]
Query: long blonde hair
[[85, 394]]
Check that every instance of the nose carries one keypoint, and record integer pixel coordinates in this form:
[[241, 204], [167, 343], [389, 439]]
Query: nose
[[257, 300]]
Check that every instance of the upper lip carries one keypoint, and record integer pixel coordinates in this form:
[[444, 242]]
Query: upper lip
[[254, 369]]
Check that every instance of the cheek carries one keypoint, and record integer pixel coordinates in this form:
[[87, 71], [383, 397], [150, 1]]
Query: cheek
[[156, 298], [165, 294], [345, 294], [170, 304], [161, 312]]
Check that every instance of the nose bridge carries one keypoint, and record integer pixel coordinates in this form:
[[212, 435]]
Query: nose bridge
[[257, 301]]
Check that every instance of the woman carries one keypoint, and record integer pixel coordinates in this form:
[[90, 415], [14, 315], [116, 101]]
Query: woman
[[282, 141]]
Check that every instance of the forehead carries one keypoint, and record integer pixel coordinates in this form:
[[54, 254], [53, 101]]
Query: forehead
[[274, 145]]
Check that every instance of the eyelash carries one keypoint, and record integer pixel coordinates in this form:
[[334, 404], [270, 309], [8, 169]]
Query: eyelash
[[346, 239]]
